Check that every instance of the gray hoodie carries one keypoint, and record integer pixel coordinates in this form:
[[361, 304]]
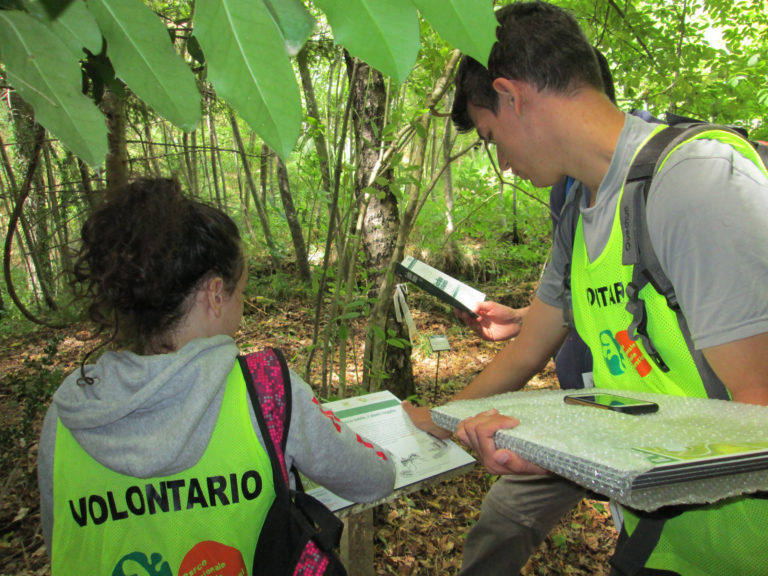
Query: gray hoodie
[[148, 416]]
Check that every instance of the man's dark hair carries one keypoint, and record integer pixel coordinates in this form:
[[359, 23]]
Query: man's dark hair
[[473, 84], [605, 73], [536, 42]]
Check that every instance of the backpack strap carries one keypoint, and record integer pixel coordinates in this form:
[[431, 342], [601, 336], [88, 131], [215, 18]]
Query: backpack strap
[[566, 232], [638, 251], [300, 528], [269, 387], [632, 552], [762, 150]]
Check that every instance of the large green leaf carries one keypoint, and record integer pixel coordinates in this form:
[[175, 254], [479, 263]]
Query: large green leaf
[[383, 33], [468, 25], [144, 58], [48, 77], [75, 26], [250, 69], [78, 29], [294, 20]]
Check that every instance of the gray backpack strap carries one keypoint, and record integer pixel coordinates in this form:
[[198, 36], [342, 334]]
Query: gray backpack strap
[[638, 251], [566, 233], [762, 150]]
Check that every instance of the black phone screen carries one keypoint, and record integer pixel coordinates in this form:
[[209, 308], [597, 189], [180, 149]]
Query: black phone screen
[[613, 402]]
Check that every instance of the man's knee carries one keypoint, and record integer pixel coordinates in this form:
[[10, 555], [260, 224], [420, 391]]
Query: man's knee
[[533, 501]]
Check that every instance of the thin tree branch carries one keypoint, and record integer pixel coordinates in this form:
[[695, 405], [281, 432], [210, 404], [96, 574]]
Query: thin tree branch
[[13, 222]]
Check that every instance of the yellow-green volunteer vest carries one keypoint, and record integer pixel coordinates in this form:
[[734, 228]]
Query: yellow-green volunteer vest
[[203, 521], [729, 537]]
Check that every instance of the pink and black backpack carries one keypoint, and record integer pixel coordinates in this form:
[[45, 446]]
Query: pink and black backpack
[[300, 534]]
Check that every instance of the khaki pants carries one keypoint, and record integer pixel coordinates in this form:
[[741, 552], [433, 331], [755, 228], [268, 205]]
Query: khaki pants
[[517, 514]]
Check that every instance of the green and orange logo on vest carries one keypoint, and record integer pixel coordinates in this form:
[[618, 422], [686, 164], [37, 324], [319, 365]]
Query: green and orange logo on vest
[[206, 558]]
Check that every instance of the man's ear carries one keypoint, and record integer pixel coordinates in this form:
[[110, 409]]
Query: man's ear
[[509, 92]]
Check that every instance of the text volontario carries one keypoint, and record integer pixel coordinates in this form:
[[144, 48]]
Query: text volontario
[[166, 496]]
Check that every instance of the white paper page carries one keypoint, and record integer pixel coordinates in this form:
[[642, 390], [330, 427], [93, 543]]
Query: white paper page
[[380, 418]]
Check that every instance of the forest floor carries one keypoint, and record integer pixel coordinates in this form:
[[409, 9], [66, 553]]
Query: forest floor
[[422, 533]]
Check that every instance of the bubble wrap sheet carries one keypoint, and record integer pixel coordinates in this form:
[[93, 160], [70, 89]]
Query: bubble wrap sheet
[[692, 451]]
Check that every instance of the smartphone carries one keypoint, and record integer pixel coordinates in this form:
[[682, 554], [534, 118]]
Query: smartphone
[[613, 402]]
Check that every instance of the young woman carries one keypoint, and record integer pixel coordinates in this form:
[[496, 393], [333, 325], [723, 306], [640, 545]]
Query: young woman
[[151, 459]]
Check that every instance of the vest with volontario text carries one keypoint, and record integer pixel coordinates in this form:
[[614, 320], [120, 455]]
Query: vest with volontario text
[[204, 520]]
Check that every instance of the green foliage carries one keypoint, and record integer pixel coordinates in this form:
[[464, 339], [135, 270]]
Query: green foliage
[[273, 288], [244, 44], [239, 37], [294, 20], [462, 23], [394, 340], [560, 540], [145, 60], [74, 26], [483, 222], [385, 34], [707, 58], [41, 67]]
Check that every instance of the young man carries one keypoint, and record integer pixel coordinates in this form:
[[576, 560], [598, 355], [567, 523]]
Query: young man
[[519, 511], [541, 102]]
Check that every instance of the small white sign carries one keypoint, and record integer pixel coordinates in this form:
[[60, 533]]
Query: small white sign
[[439, 343]]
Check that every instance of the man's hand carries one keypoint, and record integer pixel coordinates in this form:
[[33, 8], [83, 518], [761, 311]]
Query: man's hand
[[494, 321], [478, 433], [421, 417]]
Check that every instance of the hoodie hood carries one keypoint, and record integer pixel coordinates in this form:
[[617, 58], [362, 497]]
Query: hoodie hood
[[148, 415]]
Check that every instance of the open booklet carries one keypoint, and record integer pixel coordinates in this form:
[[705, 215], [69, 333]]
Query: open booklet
[[437, 283], [419, 457], [692, 451]]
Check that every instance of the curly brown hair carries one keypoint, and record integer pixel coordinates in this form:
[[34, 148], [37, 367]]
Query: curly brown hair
[[144, 251]]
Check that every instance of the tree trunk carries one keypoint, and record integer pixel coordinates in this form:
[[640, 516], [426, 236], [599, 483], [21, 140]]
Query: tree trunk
[[86, 189], [376, 349], [293, 221], [319, 135], [383, 363], [22, 194], [152, 162], [56, 206], [189, 140], [264, 156], [117, 154], [451, 254]]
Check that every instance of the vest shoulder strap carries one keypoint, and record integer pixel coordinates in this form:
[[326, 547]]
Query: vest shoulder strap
[[565, 231]]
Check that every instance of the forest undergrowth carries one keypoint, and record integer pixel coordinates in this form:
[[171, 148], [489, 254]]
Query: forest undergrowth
[[421, 533]]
